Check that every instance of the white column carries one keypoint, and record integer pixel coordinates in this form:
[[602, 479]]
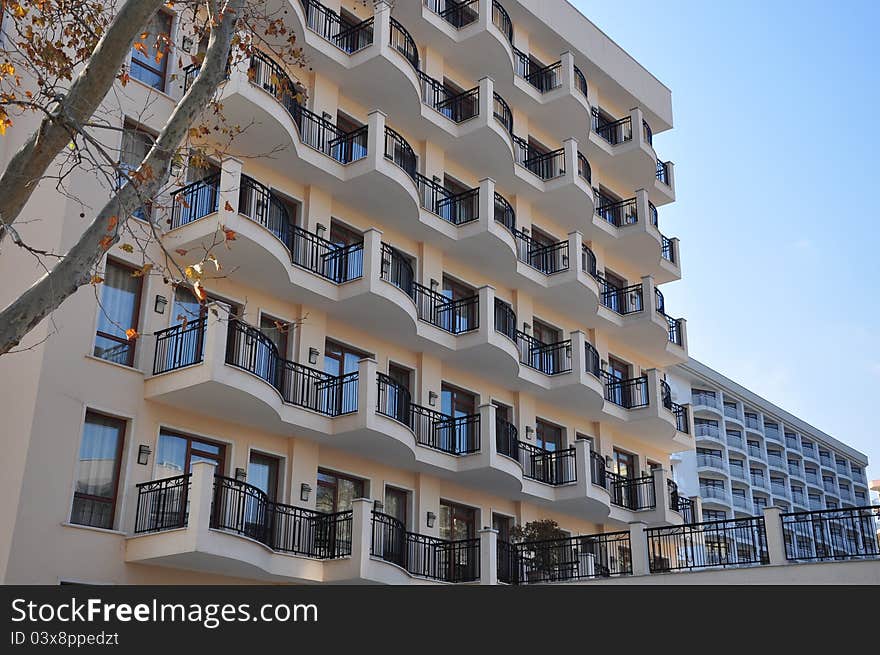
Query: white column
[[486, 203], [376, 136], [361, 533], [230, 182], [775, 539], [638, 542], [487, 98], [486, 309], [488, 556], [575, 248], [373, 256], [368, 387], [570, 146], [566, 72], [201, 494], [643, 210]]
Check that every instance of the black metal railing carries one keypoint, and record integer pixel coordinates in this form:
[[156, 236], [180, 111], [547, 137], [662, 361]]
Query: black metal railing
[[680, 412], [180, 345], [663, 172], [319, 133], [549, 258], [631, 393], [584, 169], [454, 316], [249, 349], [681, 504], [501, 112], [397, 270], [597, 470], [730, 542], [623, 300], [592, 360], [545, 165], [548, 358], [613, 132], [258, 203], [331, 26], [424, 556], [195, 200], [832, 534], [330, 260], [561, 560], [398, 151], [501, 20], [588, 261], [506, 438], [457, 107], [667, 250], [504, 213], [580, 82], [505, 320], [401, 40], [455, 435], [457, 14], [631, 493], [543, 78], [675, 332], [456, 208], [162, 504], [617, 212], [243, 509], [554, 467], [648, 133]]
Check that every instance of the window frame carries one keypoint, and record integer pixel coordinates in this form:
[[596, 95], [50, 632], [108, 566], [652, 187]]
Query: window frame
[[136, 318], [117, 470], [163, 72]]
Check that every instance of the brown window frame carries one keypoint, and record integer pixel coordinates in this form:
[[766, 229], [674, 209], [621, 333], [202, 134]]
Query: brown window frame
[[132, 343], [161, 72], [117, 469]]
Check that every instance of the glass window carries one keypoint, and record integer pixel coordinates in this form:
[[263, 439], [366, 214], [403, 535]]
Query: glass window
[[624, 464], [396, 504], [118, 312], [149, 56], [97, 477], [336, 492], [263, 474], [177, 453], [457, 521], [136, 143]]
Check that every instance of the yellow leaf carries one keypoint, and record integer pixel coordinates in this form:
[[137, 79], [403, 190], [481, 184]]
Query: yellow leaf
[[97, 279], [127, 247], [132, 334]]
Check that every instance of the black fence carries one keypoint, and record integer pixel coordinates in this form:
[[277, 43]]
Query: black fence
[[319, 133], [502, 113], [456, 208], [623, 300], [832, 534], [617, 212], [249, 349], [549, 258], [501, 20], [455, 316], [398, 151], [397, 270], [584, 169], [548, 358], [543, 78], [506, 438], [597, 470], [580, 81], [731, 542], [457, 14], [457, 107], [331, 26], [613, 132], [631, 493], [455, 435], [680, 412], [505, 320], [545, 165], [245, 510], [554, 467], [679, 503], [629, 394], [162, 504], [401, 40], [663, 172], [424, 556], [666, 249], [561, 560], [180, 345], [332, 261], [592, 360], [194, 201]]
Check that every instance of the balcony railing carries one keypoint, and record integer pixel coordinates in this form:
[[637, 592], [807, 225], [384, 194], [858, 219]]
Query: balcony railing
[[707, 430], [457, 107], [705, 460], [548, 258], [617, 212], [663, 172], [679, 503], [775, 460], [562, 560], [328, 24], [614, 132], [631, 493], [501, 112], [401, 40], [245, 510], [195, 201], [178, 346], [584, 169], [505, 320], [731, 542], [554, 467], [792, 443], [752, 422], [454, 435], [501, 20], [626, 300], [597, 470], [506, 438], [757, 453], [682, 424], [580, 82], [667, 251], [398, 151], [544, 165], [162, 504], [543, 78], [834, 534], [548, 358], [458, 13], [456, 208], [424, 556], [759, 481], [331, 261], [743, 503], [701, 399], [630, 393], [735, 441], [249, 349], [772, 432], [718, 492], [738, 472]]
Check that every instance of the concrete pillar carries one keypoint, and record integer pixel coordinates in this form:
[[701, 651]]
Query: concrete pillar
[[575, 251], [775, 538], [201, 495], [643, 210], [566, 72], [698, 509], [649, 302], [582, 462], [488, 556], [376, 135], [636, 117], [486, 203], [487, 427], [230, 181], [661, 495], [361, 533], [638, 541], [570, 147], [368, 387], [374, 261], [578, 353], [487, 98]]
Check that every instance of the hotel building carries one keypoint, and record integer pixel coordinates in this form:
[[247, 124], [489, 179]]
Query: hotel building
[[441, 318]]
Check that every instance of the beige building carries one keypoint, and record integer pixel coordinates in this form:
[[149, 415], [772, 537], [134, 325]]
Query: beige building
[[462, 224]]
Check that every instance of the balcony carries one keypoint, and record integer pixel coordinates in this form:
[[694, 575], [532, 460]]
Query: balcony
[[772, 432], [739, 472], [792, 442], [774, 460], [714, 494], [736, 441], [753, 423], [712, 462], [707, 431], [707, 401], [759, 482], [756, 452], [780, 490], [743, 504], [732, 414]]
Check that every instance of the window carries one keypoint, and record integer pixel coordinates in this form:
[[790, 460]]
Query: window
[[97, 476], [504, 524], [457, 521], [336, 492], [178, 452], [340, 359], [118, 312], [714, 515], [396, 504], [548, 436], [624, 464], [277, 331], [149, 64], [263, 473], [136, 143]]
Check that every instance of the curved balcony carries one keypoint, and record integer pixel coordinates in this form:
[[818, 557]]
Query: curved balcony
[[706, 403], [715, 495], [712, 463], [707, 431]]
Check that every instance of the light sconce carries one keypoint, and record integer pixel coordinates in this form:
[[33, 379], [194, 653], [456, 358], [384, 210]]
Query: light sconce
[[434, 284], [313, 355], [432, 398], [609, 462], [187, 44], [240, 474], [529, 432], [431, 518], [565, 261], [159, 306], [527, 328], [144, 454], [304, 490], [320, 229], [378, 506]]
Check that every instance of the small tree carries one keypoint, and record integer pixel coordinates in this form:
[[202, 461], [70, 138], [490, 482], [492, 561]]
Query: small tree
[[543, 556]]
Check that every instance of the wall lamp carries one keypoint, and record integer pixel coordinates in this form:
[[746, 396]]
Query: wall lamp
[[304, 490], [313, 355], [432, 398], [529, 432], [159, 306], [378, 506], [240, 474], [431, 518], [144, 454]]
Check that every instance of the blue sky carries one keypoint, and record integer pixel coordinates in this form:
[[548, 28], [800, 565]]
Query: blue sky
[[777, 155]]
